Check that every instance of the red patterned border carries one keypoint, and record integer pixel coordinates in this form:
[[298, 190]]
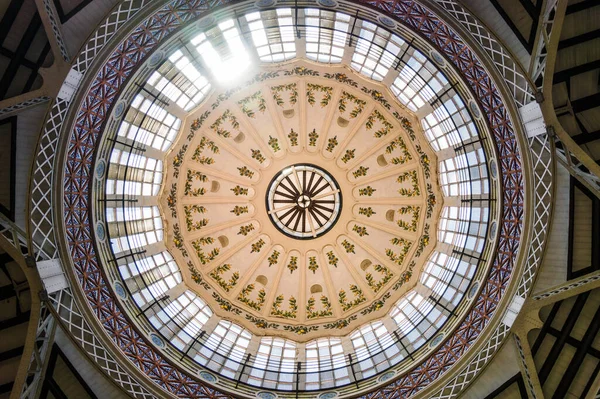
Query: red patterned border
[[84, 137]]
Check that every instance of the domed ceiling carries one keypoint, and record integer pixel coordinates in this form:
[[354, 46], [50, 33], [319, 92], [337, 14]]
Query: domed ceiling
[[305, 199], [325, 219]]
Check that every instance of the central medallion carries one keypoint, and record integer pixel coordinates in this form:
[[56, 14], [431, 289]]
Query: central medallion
[[304, 201]]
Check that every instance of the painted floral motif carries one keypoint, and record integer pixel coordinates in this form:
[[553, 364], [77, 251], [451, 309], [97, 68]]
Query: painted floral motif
[[425, 162], [197, 124], [312, 138], [312, 313], [423, 241], [339, 324], [332, 259], [245, 230], [261, 323], [376, 305], [386, 126], [414, 179], [239, 210], [197, 276], [368, 212], [359, 297], [412, 225], [361, 171], [398, 142], [237, 190], [226, 116], [257, 97], [189, 210], [359, 105], [301, 330], [286, 314], [278, 90], [293, 136], [178, 240], [245, 172], [191, 176], [225, 304], [257, 246], [368, 191], [405, 276], [331, 143], [256, 304], [312, 264], [342, 78], [405, 247], [377, 96], [274, 143], [348, 247], [217, 273], [293, 265], [310, 93], [178, 160], [348, 155], [431, 201], [202, 256], [256, 154], [172, 200], [360, 230], [204, 143], [301, 71], [386, 277], [274, 258]]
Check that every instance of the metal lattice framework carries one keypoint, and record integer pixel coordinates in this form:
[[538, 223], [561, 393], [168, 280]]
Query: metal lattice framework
[[22, 105], [51, 13], [410, 13], [66, 311]]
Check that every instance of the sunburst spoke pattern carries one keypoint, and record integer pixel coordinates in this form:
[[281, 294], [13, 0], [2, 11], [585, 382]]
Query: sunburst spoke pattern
[[304, 201]]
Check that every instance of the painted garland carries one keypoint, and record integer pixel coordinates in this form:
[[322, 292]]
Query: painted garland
[[78, 172]]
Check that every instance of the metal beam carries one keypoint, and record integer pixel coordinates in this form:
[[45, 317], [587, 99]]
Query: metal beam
[[566, 74], [15, 321], [559, 344], [11, 353], [518, 379], [6, 388], [13, 67], [580, 105], [586, 138], [512, 25], [579, 39], [9, 17], [527, 366], [52, 26], [577, 286], [581, 6], [577, 359]]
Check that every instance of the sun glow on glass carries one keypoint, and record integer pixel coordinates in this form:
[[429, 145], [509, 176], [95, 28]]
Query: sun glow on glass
[[225, 67]]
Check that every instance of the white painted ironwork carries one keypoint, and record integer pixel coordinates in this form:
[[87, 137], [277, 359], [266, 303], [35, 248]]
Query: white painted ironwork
[[73, 321], [43, 341], [514, 77]]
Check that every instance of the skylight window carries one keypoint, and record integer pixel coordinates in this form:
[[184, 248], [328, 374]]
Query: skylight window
[[279, 44], [180, 81], [376, 51], [225, 67], [323, 43]]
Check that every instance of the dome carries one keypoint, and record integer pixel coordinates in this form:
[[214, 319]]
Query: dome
[[311, 206], [279, 199]]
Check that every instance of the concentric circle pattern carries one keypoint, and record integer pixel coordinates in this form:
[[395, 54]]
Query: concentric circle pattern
[[304, 198], [184, 199], [304, 201]]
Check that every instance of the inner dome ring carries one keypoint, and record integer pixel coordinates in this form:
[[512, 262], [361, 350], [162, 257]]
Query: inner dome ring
[[316, 194]]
